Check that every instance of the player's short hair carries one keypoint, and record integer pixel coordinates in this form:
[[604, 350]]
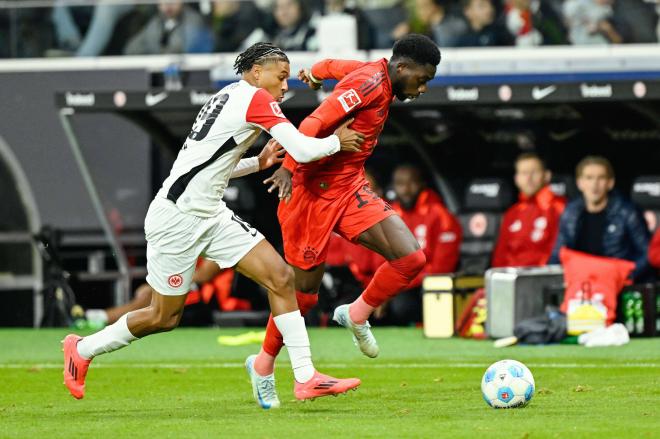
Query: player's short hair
[[258, 53], [419, 48], [531, 156], [467, 3], [594, 160], [414, 168]]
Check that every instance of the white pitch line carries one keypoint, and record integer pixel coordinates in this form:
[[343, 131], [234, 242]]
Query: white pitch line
[[330, 365]]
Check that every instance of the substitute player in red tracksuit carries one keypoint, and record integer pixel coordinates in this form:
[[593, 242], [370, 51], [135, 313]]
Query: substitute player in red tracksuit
[[654, 250], [334, 195], [529, 228], [437, 231], [435, 228]]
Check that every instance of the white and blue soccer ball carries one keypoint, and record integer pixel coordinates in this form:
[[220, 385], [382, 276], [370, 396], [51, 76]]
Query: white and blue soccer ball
[[507, 384]]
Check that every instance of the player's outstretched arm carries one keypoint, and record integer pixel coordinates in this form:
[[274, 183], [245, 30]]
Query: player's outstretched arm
[[306, 149], [281, 179], [343, 102], [327, 69], [265, 113], [306, 76]]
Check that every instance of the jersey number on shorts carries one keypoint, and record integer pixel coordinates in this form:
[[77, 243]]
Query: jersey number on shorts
[[207, 116], [369, 193]]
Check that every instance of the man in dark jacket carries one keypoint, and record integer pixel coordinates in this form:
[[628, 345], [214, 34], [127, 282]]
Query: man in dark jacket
[[173, 30], [601, 222], [483, 27]]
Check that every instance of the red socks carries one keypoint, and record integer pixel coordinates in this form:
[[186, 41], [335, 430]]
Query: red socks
[[273, 342], [391, 278]]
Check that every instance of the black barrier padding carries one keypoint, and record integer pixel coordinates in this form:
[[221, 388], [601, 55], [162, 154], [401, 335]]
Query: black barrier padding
[[646, 192], [491, 194], [564, 185]]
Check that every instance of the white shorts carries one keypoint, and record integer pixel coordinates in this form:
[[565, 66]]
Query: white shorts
[[176, 239]]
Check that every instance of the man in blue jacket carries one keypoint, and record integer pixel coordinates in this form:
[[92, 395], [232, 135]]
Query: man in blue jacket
[[601, 222]]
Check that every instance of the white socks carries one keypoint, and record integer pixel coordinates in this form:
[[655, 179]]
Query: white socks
[[294, 333], [108, 339], [291, 325]]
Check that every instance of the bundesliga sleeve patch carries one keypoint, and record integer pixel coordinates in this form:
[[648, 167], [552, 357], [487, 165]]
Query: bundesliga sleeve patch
[[349, 100], [277, 111]]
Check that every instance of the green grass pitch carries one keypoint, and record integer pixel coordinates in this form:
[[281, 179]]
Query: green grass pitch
[[184, 384]]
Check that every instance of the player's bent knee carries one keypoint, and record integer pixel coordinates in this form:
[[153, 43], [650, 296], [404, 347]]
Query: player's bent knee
[[419, 260], [282, 279], [166, 323], [169, 324], [161, 321], [411, 264]]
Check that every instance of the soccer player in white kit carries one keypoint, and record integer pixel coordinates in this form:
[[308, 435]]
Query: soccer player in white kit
[[188, 219]]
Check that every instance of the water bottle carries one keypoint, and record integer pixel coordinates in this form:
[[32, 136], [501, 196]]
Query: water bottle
[[639, 313], [172, 77], [628, 311]]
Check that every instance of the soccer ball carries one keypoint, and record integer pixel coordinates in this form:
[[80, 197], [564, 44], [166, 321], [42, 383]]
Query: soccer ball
[[507, 384]]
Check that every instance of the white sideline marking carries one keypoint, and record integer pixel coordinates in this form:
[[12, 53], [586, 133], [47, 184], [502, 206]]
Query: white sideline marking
[[328, 365]]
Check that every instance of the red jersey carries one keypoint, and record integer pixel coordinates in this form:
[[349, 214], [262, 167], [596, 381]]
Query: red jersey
[[654, 249], [529, 230], [438, 232], [363, 92]]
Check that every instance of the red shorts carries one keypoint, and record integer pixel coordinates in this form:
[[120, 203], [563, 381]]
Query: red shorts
[[308, 220]]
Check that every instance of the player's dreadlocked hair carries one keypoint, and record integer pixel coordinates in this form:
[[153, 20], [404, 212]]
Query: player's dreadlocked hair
[[418, 48], [258, 53]]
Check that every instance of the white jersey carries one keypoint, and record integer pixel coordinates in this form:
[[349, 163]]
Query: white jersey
[[225, 128]]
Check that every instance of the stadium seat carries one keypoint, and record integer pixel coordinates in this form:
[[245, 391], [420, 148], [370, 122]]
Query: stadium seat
[[646, 194], [381, 22], [564, 185], [486, 199]]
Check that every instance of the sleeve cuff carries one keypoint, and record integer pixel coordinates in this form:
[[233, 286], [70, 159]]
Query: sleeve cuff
[[253, 164], [336, 145], [313, 79]]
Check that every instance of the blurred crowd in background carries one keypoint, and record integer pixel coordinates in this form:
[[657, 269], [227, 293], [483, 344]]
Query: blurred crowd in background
[[170, 26]]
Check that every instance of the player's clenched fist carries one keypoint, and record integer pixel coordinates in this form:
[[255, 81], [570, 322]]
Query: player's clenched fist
[[349, 139], [305, 76]]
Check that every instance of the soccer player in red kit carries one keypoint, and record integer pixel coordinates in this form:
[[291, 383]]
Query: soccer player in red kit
[[333, 194], [529, 227]]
